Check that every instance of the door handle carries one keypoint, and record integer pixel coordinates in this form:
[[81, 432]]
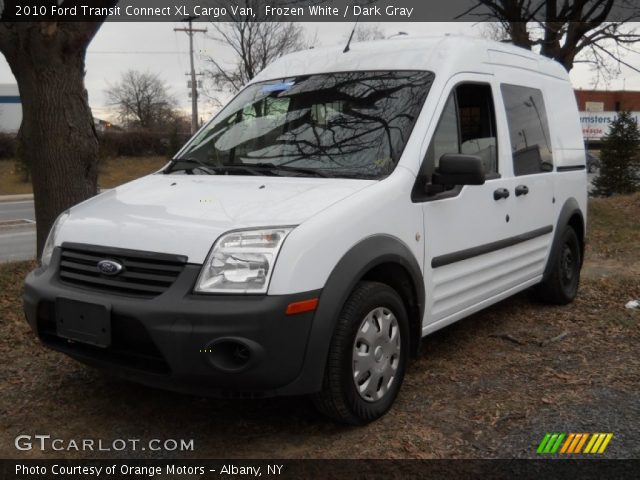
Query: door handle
[[500, 193], [521, 190]]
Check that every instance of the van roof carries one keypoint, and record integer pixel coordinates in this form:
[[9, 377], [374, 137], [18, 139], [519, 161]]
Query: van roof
[[443, 55]]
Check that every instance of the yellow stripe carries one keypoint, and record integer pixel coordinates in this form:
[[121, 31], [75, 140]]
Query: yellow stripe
[[584, 439], [591, 442], [567, 442], [596, 445], [605, 443], [574, 443]]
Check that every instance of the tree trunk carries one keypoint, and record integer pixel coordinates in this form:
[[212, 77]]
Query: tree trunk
[[58, 135]]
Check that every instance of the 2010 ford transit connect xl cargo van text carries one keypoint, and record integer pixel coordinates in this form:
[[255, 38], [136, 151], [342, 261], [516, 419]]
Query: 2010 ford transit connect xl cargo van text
[[338, 209]]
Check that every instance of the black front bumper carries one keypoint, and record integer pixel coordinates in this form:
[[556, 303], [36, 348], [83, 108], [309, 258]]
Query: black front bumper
[[181, 341]]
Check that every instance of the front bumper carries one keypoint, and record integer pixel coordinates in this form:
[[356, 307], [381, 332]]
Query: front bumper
[[181, 341]]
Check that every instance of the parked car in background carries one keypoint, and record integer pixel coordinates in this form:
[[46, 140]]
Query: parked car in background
[[593, 162]]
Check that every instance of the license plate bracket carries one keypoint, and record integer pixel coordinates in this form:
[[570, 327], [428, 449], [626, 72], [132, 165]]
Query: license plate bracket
[[83, 322]]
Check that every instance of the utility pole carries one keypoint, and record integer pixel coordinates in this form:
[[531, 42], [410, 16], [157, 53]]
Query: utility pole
[[194, 85]]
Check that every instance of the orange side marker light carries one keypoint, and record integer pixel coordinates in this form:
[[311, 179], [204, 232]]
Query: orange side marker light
[[303, 306]]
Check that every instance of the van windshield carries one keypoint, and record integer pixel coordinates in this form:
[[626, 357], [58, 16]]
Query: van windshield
[[351, 124]]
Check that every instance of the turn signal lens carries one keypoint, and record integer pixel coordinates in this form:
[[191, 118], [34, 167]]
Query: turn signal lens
[[303, 306]]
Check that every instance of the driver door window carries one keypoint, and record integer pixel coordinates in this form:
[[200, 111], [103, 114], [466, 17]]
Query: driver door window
[[467, 126]]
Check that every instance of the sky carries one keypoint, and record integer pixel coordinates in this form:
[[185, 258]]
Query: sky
[[155, 47]]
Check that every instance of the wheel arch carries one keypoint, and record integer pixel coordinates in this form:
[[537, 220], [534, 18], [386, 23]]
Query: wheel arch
[[381, 258], [570, 215]]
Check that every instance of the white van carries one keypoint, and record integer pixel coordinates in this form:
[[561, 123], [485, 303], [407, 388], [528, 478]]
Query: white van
[[341, 207]]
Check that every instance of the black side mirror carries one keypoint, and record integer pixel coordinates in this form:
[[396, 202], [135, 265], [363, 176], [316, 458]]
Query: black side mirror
[[457, 169]]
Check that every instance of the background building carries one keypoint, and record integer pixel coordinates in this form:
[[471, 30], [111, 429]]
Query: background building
[[10, 108], [607, 101], [598, 108]]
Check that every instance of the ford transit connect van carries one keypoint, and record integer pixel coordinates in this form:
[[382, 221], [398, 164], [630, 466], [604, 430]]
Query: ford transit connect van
[[341, 207]]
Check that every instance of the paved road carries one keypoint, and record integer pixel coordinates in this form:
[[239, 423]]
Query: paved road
[[17, 243], [17, 211]]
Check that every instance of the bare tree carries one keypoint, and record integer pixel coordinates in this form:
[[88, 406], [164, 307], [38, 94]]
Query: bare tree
[[571, 31], [57, 136], [142, 99], [494, 31], [255, 44], [365, 32]]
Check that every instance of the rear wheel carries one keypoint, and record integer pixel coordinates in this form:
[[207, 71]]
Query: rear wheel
[[367, 356], [561, 287]]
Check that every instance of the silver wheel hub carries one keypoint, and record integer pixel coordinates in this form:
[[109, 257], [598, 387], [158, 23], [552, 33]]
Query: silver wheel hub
[[376, 354]]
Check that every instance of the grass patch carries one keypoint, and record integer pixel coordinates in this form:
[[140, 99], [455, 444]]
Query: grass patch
[[10, 181], [613, 227], [116, 171], [113, 172]]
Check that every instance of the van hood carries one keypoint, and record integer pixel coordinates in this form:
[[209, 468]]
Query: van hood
[[185, 214]]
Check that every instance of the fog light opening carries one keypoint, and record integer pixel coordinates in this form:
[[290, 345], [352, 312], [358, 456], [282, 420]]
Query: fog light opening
[[230, 355]]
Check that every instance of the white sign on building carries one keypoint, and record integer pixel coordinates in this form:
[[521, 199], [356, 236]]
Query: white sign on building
[[594, 106], [10, 108], [595, 125]]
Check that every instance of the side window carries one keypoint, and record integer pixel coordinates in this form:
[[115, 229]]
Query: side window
[[478, 125], [467, 126], [446, 138], [528, 129]]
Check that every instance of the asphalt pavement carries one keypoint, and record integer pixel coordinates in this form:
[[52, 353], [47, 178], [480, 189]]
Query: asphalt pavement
[[18, 239], [17, 210]]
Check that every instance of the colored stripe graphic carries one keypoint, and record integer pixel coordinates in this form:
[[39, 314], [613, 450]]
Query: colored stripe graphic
[[592, 440], [605, 442], [568, 442], [556, 446], [550, 443], [543, 443], [573, 443], [582, 441], [599, 443]]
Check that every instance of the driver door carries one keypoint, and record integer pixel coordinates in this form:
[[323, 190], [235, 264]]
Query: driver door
[[467, 228]]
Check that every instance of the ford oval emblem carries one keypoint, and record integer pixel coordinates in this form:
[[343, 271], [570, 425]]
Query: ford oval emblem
[[109, 267]]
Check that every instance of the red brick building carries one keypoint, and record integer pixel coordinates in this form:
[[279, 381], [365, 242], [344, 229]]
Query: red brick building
[[607, 101]]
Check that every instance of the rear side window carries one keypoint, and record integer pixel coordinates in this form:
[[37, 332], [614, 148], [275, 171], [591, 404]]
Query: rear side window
[[528, 129]]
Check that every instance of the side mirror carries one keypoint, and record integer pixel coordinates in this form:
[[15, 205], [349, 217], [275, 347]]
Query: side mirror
[[457, 169]]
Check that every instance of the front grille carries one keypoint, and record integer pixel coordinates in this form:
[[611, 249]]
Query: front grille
[[145, 274]]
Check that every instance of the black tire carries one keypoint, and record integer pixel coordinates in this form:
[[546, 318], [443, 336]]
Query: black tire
[[339, 398], [561, 287]]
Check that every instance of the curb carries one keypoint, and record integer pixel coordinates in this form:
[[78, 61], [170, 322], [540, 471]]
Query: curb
[[16, 198], [25, 197]]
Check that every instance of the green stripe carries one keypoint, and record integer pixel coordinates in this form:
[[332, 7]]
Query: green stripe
[[543, 443], [558, 442], [550, 443]]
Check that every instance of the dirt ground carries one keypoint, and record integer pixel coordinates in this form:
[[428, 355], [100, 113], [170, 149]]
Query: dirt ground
[[489, 386]]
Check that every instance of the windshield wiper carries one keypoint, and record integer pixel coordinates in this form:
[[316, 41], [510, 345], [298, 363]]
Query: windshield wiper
[[272, 167], [251, 169], [209, 169]]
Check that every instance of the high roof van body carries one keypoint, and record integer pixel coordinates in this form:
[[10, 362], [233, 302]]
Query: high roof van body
[[341, 207]]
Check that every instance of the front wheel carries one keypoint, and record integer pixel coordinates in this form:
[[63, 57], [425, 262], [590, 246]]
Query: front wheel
[[561, 287], [367, 357]]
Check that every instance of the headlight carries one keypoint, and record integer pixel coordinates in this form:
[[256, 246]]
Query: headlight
[[242, 261], [47, 250]]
